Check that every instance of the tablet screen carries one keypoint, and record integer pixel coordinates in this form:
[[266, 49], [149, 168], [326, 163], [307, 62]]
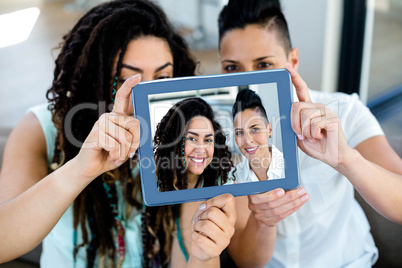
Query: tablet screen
[[221, 100]]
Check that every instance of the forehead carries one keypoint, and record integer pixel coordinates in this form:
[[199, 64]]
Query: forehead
[[253, 41], [247, 118], [200, 124], [148, 51]]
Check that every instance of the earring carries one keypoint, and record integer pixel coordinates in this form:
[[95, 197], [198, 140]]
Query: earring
[[182, 149], [114, 88]]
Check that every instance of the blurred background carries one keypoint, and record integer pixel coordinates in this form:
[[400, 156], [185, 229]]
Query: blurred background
[[347, 46]]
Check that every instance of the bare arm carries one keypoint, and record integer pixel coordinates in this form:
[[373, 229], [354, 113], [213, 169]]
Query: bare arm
[[31, 203], [24, 161], [375, 170], [26, 204], [29, 217]]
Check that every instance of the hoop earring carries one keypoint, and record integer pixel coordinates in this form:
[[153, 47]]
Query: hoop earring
[[114, 87], [182, 149]]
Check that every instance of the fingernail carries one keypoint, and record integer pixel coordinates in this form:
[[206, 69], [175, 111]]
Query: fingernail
[[300, 137], [134, 76], [310, 140], [280, 192], [118, 163], [202, 206], [301, 191], [196, 219], [132, 155], [304, 198]]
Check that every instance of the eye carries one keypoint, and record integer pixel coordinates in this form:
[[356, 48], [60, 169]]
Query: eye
[[163, 77], [239, 132], [255, 129], [232, 68], [191, 139], [264, 65], [209, 140]]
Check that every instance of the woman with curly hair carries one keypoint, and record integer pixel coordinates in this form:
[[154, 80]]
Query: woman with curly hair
[[65, 179], [189, 136]]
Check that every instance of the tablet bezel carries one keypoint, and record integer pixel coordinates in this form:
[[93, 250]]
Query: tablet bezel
[[152, 196]]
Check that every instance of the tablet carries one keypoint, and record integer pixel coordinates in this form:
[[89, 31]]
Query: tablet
[[185, 156]]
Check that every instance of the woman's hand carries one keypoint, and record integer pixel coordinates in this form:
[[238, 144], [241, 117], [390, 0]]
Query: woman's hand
[[113, 138], [271, 207], [213, 227], [318, 129]]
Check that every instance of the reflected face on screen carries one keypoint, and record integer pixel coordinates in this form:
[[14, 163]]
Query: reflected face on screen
[[252, 132], [199, 146], [253, 48]]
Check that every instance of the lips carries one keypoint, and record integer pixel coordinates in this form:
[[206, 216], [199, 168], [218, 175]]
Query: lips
[[198, 161], [251, 150]]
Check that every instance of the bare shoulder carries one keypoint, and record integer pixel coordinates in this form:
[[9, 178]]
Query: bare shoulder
[[378, 150], [25, 158]]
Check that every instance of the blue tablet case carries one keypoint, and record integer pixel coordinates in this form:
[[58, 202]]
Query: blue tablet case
[[152, 196]]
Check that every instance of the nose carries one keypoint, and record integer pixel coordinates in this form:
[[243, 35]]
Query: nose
[[249, 138], [248, 68], [200, 147], [146, 77]]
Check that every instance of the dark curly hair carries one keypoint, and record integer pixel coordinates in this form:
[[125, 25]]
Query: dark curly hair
[[168, 145], [83, 75], [237, 14]]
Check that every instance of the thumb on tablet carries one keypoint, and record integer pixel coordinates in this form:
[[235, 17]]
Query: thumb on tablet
[[225, 202]]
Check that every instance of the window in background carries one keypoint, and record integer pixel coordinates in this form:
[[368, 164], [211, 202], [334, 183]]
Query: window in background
[[386, 54]]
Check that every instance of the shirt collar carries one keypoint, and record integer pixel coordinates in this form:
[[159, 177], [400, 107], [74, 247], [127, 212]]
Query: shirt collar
[[275, 170]]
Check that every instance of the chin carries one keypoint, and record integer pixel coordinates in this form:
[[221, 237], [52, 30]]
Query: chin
[[197, 172]]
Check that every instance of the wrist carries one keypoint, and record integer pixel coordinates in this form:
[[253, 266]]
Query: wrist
[[65, 180], [262, 226], [347, 161], [75, 174], [196, 262]]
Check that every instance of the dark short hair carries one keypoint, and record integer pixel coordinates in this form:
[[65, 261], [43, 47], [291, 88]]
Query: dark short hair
[[248, 99], [238, 14]]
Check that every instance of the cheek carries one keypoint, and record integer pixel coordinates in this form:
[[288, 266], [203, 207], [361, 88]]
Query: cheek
[[187, 149], [211, 151], [239, 141], [261, 138]]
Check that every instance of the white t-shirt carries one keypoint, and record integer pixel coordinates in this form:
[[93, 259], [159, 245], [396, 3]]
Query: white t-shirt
[[331, 229], [275, 171]]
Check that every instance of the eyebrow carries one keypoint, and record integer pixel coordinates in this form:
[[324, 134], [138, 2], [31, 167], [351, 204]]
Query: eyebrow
[[231, 61], [263, 58], [254, 125], [257, 59], [140, 70], [196, 134]]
